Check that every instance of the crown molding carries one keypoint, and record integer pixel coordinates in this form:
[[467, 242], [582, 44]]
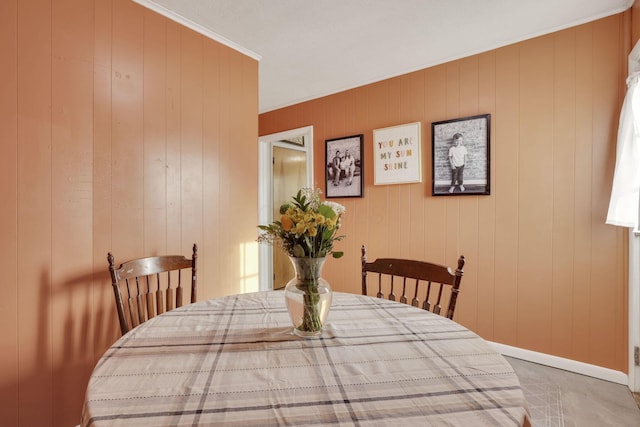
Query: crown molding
[[196, 27]]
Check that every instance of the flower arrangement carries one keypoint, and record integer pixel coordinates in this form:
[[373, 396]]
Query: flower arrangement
[[306, 231], [307, 227]]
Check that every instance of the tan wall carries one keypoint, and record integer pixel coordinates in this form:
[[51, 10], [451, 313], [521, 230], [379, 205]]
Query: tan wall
[[120, 131], [543, 270]]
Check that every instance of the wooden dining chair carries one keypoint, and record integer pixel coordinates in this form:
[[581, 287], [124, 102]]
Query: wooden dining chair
[[433, 284], [143, 287]]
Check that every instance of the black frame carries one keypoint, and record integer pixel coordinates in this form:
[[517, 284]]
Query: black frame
[[476, 175], [343, 186]]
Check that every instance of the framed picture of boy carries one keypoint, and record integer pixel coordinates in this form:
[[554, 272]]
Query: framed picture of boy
[[344, 172], [460, 153]]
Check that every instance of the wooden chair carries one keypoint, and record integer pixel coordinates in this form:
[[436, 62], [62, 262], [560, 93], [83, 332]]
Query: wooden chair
[[146, 284], [428, 277]]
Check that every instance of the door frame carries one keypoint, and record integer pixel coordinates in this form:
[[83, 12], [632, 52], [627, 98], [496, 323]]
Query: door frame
[[265, 189], [634, 268]]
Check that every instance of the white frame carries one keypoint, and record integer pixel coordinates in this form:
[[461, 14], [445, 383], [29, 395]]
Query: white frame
[[387, 154], [634, 268], [265, 190]]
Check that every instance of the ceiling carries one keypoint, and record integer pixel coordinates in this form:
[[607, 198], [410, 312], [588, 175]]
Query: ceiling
[[308, 49]]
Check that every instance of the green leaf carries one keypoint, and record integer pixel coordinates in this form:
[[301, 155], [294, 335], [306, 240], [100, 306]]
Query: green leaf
[[326, 234], [326, 211], [284, 207], [337, 254]]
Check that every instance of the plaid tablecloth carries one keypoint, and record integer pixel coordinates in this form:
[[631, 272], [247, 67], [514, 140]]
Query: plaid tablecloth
[[233, 361]]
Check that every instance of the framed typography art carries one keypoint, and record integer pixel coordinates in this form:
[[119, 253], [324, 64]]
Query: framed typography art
[[396, 155]]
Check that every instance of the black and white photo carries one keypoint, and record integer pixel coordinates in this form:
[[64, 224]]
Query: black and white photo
[[460, 153], [344, 176]]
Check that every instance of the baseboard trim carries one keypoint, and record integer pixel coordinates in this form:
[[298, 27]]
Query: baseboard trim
[[562, 363]]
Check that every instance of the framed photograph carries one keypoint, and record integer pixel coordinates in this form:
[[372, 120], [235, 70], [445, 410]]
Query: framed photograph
[[461, 156], [344, 175], [396, 155]]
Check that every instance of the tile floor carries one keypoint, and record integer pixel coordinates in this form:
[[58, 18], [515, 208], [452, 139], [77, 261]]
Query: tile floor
[[559, 398]]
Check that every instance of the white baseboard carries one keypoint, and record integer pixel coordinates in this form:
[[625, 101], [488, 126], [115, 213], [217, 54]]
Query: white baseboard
[[562, 363]]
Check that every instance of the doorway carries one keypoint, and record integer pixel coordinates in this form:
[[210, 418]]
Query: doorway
[[285, 165], [634, 272]]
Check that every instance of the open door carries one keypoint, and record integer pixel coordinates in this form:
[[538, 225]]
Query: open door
[[286, 165], [289, 175]]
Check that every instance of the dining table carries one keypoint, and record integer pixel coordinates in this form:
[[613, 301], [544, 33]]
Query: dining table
[[234, 361]]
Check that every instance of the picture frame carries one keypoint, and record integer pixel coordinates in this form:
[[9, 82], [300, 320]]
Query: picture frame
[[472, 176], [344, 172], [397, 154]]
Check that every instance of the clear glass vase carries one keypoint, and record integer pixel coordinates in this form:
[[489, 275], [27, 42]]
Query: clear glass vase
[[308, 297]]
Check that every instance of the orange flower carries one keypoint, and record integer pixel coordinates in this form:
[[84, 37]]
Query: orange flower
[[286, 222]]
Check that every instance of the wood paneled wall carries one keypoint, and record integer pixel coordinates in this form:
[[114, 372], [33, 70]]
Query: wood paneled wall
[[120, 131], [543, 270], [635, 22]]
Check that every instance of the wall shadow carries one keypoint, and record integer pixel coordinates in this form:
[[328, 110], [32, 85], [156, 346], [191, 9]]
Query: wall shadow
[[65, 353]]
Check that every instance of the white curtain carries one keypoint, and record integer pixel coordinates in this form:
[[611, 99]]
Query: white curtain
[[624, 206]]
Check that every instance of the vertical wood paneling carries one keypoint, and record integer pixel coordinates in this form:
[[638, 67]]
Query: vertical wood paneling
[[412, 109], [505, 190], [635, 23], [97, 98], [535, 183], [485, 261], [191, 138], [538, 250], [106, 328], [239, 190], [209, 246], [34, 213], [581, 301], [435, 207], [247, 88], [622, 298], [226, 134], [337, 116], [8, 211], [71, 156], [127, 130], [378, 204], [173, 112], [393, 218], [563, 191], [401, 217], [319, 137], [393, 214], [154, 70], [608, 330]]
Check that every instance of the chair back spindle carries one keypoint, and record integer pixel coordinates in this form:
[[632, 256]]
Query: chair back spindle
[[179, 291], [151, 312], [170, 294], [140, 305], [159, 296], [427, 275]]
